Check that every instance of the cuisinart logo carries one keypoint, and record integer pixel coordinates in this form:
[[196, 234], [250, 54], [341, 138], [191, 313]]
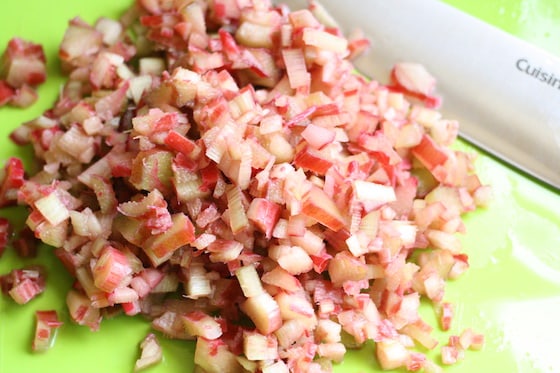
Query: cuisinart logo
[[525, 66]]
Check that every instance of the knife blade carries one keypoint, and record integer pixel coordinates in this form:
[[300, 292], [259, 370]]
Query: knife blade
[[504, 92]]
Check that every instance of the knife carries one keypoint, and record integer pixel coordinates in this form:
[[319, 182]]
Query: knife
[[504, 92]]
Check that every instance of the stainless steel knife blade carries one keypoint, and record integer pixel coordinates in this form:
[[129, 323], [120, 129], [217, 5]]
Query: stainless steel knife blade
[[504, 92]]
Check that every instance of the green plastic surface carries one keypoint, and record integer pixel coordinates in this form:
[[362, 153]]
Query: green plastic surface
[[511, 292]]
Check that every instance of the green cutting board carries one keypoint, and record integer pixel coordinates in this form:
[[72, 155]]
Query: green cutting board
[[511, 292]]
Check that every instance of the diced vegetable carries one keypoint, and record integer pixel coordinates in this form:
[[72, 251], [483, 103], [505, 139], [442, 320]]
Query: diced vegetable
[[264, 214], [22, 68], [199, 324], [391, 354], [12, 178], [263, 310], [160, 247], [45, 330], [111, 270], [291, 258], [52, 209], [151, 353], [23, 284], [450, 355], [446, 315], [82, 311], [318, 205], [249, 281], [80, 41], [7, 93], [215, 356], [218, 168], [416, 80]]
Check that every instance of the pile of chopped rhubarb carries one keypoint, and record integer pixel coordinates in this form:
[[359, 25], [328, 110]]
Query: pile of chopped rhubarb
[[22, 69], [219, 167]]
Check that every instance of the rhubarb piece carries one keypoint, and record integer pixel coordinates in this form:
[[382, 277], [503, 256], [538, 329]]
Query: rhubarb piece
[[260, 347], [414, 79], [47, 323], [24, 96], [391, 354], [159, 248], [249, 281], [263, 310], [52, 209], [111, 270], [152, 170], [215, 356], [264, 214], [429, 153], [22, 69], [12, 179], [151, 353], [23, 284], [446, 315], [82, 311], [318, 205], [23, 62], [7, 93], [199, 324], [80, 41]]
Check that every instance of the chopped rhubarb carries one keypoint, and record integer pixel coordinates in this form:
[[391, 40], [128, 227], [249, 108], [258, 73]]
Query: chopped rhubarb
[[23, 284], [12, 179], [22, 68], [451, 355], [24, 96], [80, 41], [23, 62], [152, 170], [318, 205], [180, 143], [291, 258], [263, 310], [215, 356], [264, 214], [249, 281], [260, 347], [446, 315], [151, 353], [151, 211], [160, 247], [237, 215], [7, 93], [218, 168], [318, 136], [391, 354], [52, 209], [47, 323], [281, 278], [200, 324], [324, 40], [429, 153], [111, 270], [296, 69], [82, 311], [415, 80], [312, 160]]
